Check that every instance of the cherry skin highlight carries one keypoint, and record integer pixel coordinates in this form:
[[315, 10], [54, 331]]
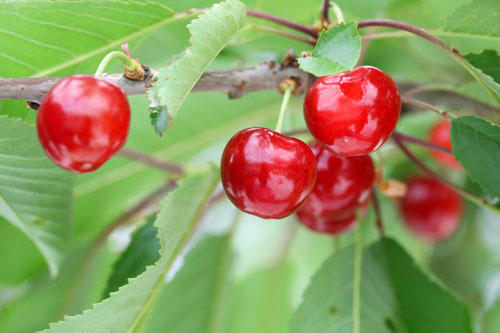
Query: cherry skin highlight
[[430, 209], [82, 121], [343, 184], [353, 113], [327, 226], [440, 135], [267, 174]]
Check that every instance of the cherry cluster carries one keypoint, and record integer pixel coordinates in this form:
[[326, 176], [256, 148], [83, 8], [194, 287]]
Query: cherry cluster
[[327, 182]]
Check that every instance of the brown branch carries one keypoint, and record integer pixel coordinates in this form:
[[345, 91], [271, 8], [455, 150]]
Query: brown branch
[[425, 106], [325, 11], [420, 142], [236, 83], [150, 160], [282, 21]]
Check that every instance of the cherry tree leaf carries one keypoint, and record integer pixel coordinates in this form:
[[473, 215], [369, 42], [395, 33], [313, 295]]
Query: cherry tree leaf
[[35, 194], [394, 296], [126, 309], [479, 18], [337, 50], [210, 33], [476, 144], [41, 38]]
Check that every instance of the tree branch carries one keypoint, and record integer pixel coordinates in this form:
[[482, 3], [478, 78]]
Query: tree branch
[[236, 83]]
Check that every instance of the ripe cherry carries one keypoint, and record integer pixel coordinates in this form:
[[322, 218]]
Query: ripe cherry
[[440, 135], [82, 122], [327, 226], [353, 113], [431, 209], [267, 174], [343, 185]]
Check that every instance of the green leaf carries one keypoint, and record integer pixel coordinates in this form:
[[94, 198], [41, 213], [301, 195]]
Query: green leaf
[[40, 38], [142, 251], [484, 68], [488, 62], [337, 50], [128, 307], [478, 18], [194, 301], [35, 195], [476, 145], [396, 296], [210, 33]]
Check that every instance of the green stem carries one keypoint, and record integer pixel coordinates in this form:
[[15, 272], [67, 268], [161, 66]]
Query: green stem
[[426, 106], [129, 63], [338, 12], [356, 302], [284, 104]]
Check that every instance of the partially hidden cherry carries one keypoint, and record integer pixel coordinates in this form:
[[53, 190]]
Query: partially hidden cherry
[[353, 113], [267, 174], [327, 225], [82, 121], [343, 185], [431, 209], [440, 135]]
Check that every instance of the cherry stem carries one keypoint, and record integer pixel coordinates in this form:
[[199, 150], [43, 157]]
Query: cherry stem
[[378, 214], [286, 98], [338, 12], [282, 21], [469, 196], [150, 160], [420, 142], [128, 62], [283, 33], [426, 106], [325, 11]]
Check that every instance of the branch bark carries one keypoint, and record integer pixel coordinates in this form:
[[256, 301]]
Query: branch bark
[[236, 83]]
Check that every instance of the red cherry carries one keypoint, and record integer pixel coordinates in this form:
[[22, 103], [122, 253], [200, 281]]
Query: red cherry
[[440, 135], [353, 113], [267, 174], [343, 185], [430, 209], [327, 226], [82, 122]]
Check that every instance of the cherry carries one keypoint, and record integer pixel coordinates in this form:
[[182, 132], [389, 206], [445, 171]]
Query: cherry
[[267, 174], [440, 135], [327, 226], [83, 120], [343, 185], [431, 209], [353, 113]]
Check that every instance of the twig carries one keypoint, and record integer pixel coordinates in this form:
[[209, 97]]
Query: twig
[[420, 142], [426, 106], [236, 83], [410, 28], [282, 21], [469, 196], [283, 33], [326, 10], [150, 160], [378, 214]]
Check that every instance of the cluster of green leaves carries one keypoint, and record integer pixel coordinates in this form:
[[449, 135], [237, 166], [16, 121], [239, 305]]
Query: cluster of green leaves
[[367, 286]]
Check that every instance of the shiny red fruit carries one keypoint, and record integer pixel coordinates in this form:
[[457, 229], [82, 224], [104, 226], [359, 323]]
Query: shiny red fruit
[[82, 122], [327, 226], [343, 185], [430, 209], [440, 135], [353, 113], [267, 174]]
